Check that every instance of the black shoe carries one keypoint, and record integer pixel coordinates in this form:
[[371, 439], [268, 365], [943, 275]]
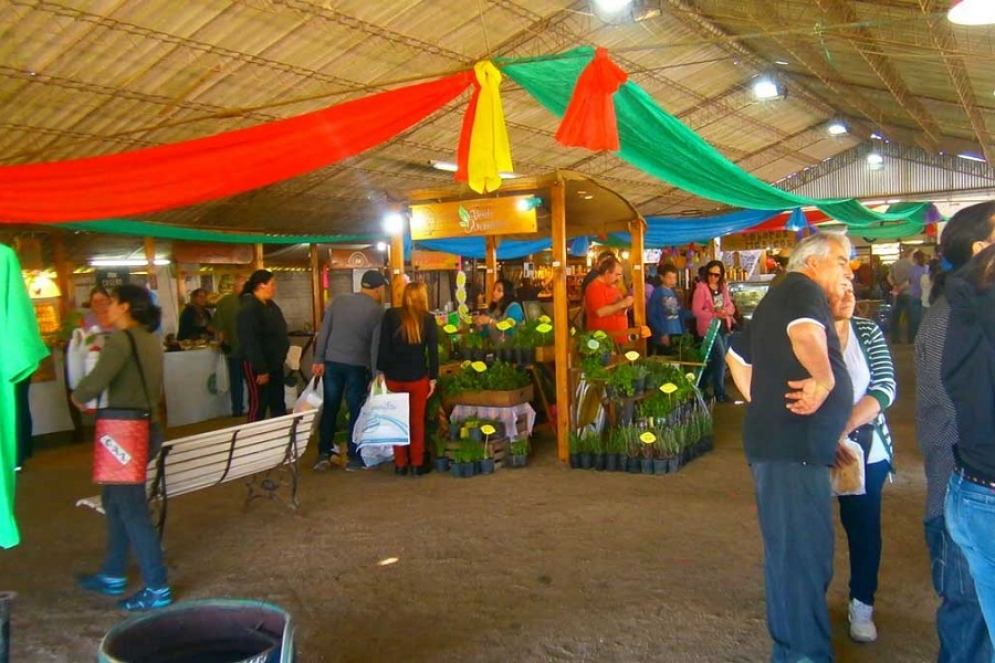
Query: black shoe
[[723, 399], [401, 471], [420, 470]]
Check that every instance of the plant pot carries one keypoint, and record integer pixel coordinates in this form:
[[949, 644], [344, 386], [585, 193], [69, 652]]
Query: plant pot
[[518, 461], [646, 465], [627, 412], [634, 465], [504, 354], [574, 461], [661, 466], [606, 358], [441, 464], [623, 463], [708, 442], [477, 354], [674, 464], [586, 460], [487, 466], [490, 358], [476, 435], [454, 427], [455, 469], [600, 462], [611, 462], [639, 385], [466, 470]]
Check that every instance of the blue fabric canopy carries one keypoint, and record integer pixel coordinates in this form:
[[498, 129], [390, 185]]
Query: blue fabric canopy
[[664, 231]]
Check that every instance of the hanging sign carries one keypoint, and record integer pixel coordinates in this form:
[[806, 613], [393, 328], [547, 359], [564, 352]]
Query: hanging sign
[[474, 218], [211, 253], [774, 239], [428, 261], [112, 278], [349, 259]]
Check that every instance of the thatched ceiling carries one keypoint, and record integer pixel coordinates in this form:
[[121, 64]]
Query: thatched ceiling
[[102, 76]]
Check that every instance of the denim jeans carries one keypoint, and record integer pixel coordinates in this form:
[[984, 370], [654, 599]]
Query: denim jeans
[[128, 522], [970, 513], [861, 518], [959, 623], [236, 385], [342, 379], [794, 506], [902, 303], [915, 317], [716, 366]]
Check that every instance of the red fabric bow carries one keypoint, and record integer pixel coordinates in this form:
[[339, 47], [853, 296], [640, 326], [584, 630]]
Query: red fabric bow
[[590, 117]]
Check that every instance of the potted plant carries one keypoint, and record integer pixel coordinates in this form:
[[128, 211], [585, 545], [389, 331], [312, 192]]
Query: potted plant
[[441, 461], [468, 454], [486, 460], [589, 445], [576, 442], [615, 447], [640, 375], [519, 450], [634, 450]]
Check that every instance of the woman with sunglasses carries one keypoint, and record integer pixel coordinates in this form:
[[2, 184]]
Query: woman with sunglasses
[[711, 300]]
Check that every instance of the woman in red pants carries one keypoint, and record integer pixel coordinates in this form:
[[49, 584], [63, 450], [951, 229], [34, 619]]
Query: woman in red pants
[[409, 359]]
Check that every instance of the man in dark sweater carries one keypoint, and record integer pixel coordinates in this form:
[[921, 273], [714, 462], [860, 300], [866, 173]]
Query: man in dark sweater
[[789, 366], [344, 355]]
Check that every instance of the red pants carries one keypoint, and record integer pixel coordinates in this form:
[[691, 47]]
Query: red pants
[[417, 400]]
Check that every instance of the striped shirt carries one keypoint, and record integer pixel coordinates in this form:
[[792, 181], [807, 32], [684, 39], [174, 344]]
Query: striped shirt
[[936, 419], [882, 387]]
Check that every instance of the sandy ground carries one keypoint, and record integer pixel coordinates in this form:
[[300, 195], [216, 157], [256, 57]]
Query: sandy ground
[[540, 564]]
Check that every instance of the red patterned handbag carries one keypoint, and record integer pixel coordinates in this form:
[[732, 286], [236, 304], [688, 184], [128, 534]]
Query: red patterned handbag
[[121, 441]]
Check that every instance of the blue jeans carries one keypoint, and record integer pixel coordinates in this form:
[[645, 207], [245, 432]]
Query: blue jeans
[[716, 366], [128, 522], [959, 623], [902, 303], [970, 513], [236, 388], [339, 379], [915, 317], [861, 518], [794, 506]]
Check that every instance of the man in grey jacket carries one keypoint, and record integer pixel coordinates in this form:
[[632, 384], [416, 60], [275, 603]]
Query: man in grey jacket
[[344, 355]]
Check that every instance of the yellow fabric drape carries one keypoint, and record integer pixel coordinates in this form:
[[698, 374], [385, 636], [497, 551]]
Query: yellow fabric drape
[[490, 151]]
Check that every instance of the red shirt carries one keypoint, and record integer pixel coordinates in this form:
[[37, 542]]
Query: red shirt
[[600, 294]]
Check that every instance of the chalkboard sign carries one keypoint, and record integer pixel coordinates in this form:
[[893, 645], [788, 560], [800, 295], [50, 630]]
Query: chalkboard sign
[[111, 278]]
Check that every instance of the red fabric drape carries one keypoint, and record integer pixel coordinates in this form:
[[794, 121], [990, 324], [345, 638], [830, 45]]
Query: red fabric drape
[[589, 120], [778, 222], [466, 132], [195, 171]]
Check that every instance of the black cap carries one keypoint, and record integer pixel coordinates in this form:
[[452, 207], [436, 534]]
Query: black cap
[[373, 279]]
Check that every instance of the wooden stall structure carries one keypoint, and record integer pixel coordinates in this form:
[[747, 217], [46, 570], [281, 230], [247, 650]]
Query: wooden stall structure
[[572, 204]]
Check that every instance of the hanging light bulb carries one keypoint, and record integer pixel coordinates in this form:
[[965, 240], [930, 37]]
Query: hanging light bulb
[[767, 87], [837, 127], [972, 12]]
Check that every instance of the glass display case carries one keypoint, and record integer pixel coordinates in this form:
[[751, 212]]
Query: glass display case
[[747, 294]]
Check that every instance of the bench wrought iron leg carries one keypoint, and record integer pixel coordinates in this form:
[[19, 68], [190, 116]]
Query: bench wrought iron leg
[[269, 485]]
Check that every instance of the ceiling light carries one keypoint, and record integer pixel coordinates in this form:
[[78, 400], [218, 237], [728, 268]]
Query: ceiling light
[[972, 12], [381, 246], [447, 166], [509, 176], [877, 136], [128, 262], [972, 157], [612, 6], [875, 161], [393, 223], [837, 128], [766, 87]]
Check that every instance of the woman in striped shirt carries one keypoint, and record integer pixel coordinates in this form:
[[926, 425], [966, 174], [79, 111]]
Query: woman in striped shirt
[[869, 363]]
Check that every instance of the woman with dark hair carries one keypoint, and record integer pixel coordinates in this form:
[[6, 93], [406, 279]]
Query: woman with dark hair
[[504, 304], [711, 301], [959, 622], [130, 354], [409, 359], [263, 341]]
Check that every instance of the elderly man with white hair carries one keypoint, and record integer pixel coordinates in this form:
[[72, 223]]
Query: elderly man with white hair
[[789, 366]]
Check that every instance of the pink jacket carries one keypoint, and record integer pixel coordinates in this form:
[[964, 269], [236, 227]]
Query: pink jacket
[[704, 310]]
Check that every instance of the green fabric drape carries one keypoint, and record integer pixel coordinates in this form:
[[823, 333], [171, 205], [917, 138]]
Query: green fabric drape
[[918, 217], [661, 145], [142, 229]]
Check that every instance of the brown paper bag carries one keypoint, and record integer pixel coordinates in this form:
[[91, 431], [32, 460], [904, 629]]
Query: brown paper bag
[[849, 479]]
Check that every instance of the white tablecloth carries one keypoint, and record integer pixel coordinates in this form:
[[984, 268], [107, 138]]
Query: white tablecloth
[[188, 396], [506, 415]]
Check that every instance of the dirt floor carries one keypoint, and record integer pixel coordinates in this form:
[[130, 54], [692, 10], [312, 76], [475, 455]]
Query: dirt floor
[[538, 564]]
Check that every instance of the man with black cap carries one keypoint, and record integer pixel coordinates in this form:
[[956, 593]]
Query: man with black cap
[[343, 355]]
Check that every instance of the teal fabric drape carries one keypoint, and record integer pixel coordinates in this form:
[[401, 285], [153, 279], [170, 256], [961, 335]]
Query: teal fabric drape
[[661, 145], [142, 229]]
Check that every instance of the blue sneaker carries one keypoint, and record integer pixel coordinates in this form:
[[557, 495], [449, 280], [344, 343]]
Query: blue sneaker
[[147, 599], [103, 584]]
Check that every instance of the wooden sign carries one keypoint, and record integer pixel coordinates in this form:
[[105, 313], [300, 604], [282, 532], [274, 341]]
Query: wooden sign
[[354, 259], [774, 239], [438, 261], [211, 253], [474, 218]]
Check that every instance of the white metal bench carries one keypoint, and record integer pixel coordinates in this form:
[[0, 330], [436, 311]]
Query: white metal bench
[[199, 461]]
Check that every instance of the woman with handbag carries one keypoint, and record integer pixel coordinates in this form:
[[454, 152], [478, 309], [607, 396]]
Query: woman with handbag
[[130, 369], [872, 372], [409, 359]]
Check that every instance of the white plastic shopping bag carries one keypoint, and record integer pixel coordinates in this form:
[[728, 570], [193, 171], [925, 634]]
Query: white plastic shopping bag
[[81, 358], [312, 397], [222, 382], [375, 454], [849, 479], [383, 420]]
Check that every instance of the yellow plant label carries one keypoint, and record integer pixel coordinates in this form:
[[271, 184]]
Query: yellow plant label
[[465, 364], [647, 438], [632, 355], [479, 366], [460, 279], [464, 310], [504, 325], [691, 378], [545, 319], [487, 429], [593, 344], [450, 329], [544, 328], [668, 388], [600, 334]]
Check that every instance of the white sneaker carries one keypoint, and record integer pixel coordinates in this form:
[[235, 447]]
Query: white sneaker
[[862, 628]]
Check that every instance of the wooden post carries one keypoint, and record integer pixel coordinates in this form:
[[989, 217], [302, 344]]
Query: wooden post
[[491, 273], [149, 244], [561, 320], [317, 301], [257, 256], [637, 229], [396, 269], [63, 272]]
